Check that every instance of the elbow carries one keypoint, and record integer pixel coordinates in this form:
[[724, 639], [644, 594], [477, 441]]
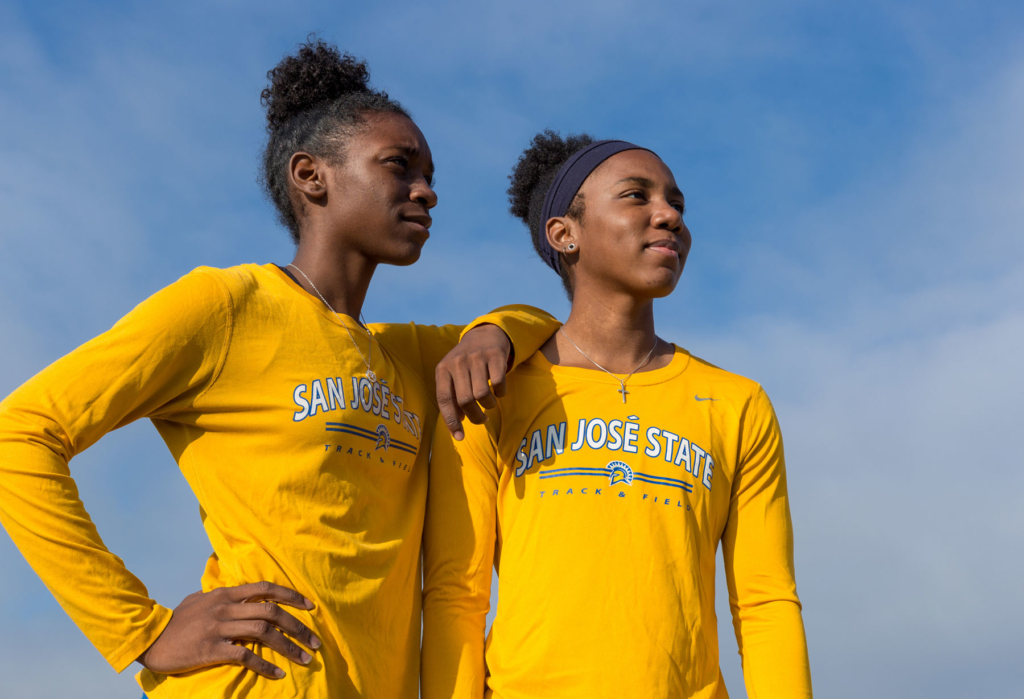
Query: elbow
[[460, 599], [766, 606]]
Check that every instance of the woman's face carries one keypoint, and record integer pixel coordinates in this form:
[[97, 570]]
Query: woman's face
[[632, 237], [381, 193]]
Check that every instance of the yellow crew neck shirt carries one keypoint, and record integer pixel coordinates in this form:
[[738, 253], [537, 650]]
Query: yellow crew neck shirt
[[307, 475], [603, 519]]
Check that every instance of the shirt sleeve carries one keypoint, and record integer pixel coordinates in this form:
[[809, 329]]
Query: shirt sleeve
[[154, 361], [460, 535], [758, 550], [424, 346]]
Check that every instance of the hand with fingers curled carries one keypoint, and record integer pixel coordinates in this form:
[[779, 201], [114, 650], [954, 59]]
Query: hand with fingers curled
[[206, 627], [472, 376]]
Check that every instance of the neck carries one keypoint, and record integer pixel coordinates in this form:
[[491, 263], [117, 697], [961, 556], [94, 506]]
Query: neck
[[341, 275], [614, 330]]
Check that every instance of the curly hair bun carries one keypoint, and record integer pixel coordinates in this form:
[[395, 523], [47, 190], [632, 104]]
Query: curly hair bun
[[318, 74], [316, 100], [536, 168], [529, 182]]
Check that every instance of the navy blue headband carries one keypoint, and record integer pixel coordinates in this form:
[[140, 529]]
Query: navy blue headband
[[567, 183]]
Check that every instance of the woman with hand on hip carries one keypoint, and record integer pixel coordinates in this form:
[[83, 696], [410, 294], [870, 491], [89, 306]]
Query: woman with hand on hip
[[303, 433], [606, 477]]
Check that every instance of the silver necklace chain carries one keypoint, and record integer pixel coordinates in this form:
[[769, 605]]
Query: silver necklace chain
[[622, 382], [369, 372]]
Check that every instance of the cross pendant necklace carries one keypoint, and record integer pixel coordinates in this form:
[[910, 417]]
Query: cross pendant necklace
[[622, 382]]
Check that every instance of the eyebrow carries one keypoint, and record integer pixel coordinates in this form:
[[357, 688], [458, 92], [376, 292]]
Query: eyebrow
[[639, 181], [649, 184]]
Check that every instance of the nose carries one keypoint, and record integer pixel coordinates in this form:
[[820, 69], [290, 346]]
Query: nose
[[667, 217], [423, 194]]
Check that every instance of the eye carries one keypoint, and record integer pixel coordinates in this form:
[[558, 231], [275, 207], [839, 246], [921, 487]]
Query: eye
[[636, 194], [400, 160], [681, 208]]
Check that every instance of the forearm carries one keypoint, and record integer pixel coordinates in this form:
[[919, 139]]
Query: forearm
[[42, 513], [766, 611], [527, 328], [773, 646], [458, 555], [453, 645]]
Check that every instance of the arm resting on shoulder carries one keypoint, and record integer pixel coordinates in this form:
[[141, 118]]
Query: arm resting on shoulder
[[461, 364]]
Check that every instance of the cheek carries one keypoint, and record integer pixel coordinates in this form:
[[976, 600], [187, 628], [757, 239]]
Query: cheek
[[357, 199], [618, 233], [379, 195], [371, 196], [603, 249]]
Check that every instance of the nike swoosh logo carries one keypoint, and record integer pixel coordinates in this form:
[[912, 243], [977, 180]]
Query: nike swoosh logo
[[696, 397]]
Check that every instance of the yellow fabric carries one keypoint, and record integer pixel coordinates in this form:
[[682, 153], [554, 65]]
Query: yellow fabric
[[302, 480], [605, 549]]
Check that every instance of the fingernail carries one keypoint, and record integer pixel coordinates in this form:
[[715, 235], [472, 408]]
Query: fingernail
[[278, 673], [305, 657], [459, 435], [309, 603], [314, 642]]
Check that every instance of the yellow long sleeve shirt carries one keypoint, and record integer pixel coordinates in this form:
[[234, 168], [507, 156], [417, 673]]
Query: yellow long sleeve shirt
[[306, 474], [603, 519]]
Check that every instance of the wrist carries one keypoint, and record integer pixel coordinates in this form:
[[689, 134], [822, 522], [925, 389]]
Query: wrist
[[148, 639]]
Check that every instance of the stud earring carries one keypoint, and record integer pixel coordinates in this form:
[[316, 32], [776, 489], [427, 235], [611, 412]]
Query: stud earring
[[572, 246]]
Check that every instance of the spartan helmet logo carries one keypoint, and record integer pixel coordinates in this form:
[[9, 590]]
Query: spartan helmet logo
[[619, 472], [383, 438]]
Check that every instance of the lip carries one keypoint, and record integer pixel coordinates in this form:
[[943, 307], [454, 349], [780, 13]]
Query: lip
[[422, 220], [667, 247]]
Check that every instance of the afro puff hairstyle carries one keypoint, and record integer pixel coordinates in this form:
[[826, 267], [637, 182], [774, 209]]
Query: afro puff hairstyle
[[316, 100], [529, 183]]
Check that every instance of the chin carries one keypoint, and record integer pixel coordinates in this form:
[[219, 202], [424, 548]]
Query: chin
[[402, 257], [405, 261], [401, 248], [660, 284], [661, 292]]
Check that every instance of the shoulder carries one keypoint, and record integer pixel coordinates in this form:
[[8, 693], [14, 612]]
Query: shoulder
[[749, 403], [720, 383], [206, 294], [239, 286], [196, 295], [238, 281]]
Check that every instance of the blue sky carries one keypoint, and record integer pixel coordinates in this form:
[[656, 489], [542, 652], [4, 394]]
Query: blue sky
[[854, 176]]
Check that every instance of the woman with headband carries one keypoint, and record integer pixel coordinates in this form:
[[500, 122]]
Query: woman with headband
[[604, 480], [303, 433]]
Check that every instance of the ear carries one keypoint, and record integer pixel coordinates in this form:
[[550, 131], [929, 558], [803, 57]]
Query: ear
[[308, 174], [561, 232]]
